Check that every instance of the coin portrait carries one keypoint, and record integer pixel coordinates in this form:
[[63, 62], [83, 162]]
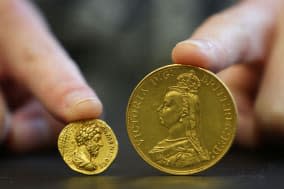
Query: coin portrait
[[181, 119], [89, 142], [180, 114], [88, 146]]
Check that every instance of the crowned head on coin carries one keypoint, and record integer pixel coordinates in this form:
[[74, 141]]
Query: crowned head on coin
[[180, 101]]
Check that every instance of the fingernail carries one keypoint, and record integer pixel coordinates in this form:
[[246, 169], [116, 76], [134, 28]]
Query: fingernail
[[83, 107], [208, 53], [200, 43]]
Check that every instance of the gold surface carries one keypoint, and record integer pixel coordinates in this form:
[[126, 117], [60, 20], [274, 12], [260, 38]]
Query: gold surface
[[88, 146], [181, 119]]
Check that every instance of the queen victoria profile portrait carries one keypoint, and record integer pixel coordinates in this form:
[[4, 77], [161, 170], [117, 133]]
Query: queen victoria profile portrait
[[180, 114], [88, 139]]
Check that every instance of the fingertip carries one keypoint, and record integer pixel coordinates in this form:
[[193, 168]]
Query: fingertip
[[247, 134], [4, 127], [189, 52], [72, 101], [4, 120], [84, 108], [27, 135], [32, 128], [270, 116]]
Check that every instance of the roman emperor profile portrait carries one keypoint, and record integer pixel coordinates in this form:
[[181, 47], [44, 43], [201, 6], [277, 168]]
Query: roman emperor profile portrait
[[89, 142], [179, 113]]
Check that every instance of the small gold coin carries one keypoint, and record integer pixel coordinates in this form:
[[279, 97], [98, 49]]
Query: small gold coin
[[88, 146], [181, 119]]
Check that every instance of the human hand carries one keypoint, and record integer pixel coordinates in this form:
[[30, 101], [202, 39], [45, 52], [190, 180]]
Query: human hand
[[250, 33], [38, 79]]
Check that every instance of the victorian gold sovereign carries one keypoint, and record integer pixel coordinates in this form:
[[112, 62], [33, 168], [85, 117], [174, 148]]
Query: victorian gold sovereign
[[181, 119], [88, 146]]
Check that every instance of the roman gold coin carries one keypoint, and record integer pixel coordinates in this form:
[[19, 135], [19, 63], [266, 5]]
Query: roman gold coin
[[88, 146], [181, 119]]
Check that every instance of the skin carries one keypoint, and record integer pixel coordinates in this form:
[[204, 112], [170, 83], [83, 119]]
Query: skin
[[245, 45], [39, 81]]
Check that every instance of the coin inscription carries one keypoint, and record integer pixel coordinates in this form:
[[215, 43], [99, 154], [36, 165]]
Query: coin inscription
[[88, 146], [181, 119]]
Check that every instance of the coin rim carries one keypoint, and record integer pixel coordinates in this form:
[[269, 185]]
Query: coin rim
[[183, 172], [88, 172]]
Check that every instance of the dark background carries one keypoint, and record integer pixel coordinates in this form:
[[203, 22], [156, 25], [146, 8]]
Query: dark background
[[116, 43]]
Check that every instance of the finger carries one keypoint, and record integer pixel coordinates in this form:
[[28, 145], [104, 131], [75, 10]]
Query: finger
[[239, 34], [270, 101], [39, 62], [15, 95], [32, 128], [4, 119], [243, 91]]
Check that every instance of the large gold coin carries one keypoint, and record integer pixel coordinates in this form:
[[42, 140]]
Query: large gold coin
[[88, 147], [181, 119]]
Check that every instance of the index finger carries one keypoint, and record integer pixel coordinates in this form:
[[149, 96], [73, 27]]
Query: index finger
[[35, 59], [239, 34]]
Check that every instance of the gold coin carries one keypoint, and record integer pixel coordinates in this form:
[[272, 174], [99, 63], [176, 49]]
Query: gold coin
[[88, 146], [181, 119]]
